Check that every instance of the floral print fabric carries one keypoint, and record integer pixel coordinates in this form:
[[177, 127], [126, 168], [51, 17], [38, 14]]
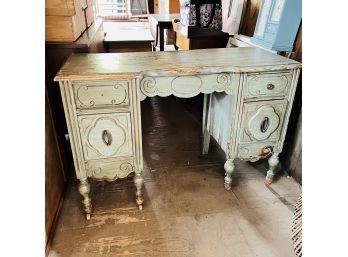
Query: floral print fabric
[[188, 15]]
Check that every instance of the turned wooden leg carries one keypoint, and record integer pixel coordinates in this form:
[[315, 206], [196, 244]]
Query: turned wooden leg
[[273, 162], [139, 182], [229, 168], [84, 189]]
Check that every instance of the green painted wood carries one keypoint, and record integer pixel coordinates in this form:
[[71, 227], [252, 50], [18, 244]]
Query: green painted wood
[[250, 92]]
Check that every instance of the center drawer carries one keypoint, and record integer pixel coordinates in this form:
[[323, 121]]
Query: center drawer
[[106, 135], [271, 84], [100, 94]]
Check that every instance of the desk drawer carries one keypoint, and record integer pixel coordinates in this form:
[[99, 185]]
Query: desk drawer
[[101, 94], [275, 84], [106, 135], [109, 169], [255, 151], [262, 121]]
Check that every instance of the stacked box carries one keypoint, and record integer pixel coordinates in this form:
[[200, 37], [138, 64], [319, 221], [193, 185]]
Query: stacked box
[[65, 19], [89, 13]]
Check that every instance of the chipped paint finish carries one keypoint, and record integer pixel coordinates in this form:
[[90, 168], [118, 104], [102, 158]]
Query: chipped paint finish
[[134, 246], [251, 94], [102, 218], [111, 66]]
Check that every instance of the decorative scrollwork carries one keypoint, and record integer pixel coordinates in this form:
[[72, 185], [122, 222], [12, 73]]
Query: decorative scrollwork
[[100, 173], [125, 169], [96, 171], [246, 155], [86, 96], [85, 88], [148, 86], [223, 80]]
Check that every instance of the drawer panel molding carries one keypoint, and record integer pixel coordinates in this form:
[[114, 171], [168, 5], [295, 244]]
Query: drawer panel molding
[[109, 169], [101, 95], [268, 84], [189, 86], [256, 151], [262, 120], [106, 136]]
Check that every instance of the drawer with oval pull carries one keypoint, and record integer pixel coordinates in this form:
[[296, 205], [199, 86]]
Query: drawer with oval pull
[[106, 135], [101, 94], [109, 169], [262, 120], [272, 84]]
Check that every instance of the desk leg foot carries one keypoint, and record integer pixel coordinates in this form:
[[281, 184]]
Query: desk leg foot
[[273, 162], [139, 182], [269, 179], [229, 168], [84, 189]]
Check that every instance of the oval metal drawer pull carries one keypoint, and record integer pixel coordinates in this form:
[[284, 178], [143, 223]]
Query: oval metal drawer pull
[[264, 124], [270, 86], [106, 136]]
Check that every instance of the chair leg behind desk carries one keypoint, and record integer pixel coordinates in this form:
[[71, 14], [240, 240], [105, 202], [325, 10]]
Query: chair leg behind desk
[[161, 36]]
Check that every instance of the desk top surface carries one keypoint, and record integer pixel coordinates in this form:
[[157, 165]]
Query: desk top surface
[[107, 66]]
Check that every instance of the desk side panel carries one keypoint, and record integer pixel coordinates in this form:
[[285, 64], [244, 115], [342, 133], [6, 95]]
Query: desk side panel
[[221, 112]]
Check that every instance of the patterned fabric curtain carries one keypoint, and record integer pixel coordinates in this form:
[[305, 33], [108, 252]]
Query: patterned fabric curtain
[[210, 16], [210, 13], [222, 15]]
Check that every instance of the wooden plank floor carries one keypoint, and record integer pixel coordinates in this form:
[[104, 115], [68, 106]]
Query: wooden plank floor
[[187, 212]]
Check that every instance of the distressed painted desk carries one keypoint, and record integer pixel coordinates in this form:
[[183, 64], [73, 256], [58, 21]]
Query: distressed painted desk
[[248, 98]]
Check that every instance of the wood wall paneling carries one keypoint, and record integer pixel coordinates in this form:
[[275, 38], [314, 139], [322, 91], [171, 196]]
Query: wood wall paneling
[[56, 54], [249, 19], [174, 6], [54, 174], [58, 156]]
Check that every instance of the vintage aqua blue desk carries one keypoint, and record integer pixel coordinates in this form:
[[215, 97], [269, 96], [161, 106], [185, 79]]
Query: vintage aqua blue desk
[[248, 98]]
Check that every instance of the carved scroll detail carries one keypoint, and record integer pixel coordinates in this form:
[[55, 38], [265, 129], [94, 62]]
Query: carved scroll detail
[[223, 80], [148, 86], [91, 95], [125, 169], [100, 171]]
